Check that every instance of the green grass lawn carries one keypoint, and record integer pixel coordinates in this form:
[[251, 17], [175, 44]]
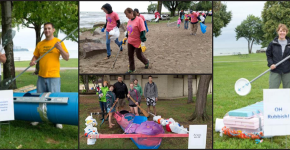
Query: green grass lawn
[[45, 135], [177, 109], [226, 99], [73, 62]]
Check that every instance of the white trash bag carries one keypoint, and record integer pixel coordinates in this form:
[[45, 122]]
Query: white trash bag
[[114, 34]]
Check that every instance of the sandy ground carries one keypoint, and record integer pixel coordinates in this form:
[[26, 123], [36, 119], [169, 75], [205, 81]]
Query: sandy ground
[[169, 50]]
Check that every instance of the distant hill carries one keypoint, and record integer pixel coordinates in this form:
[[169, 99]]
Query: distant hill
[[16, 48]]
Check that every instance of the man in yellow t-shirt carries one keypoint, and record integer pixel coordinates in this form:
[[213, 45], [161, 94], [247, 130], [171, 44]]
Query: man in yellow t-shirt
[[49, 66]]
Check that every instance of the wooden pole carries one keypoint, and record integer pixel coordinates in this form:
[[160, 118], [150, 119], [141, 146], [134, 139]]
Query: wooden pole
[[109, 136]]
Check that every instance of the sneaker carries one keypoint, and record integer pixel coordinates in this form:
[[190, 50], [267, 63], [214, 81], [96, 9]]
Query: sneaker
[[34, 123], [130, 71], [147, 65], [58, 126], [121, 49], [108, 57]]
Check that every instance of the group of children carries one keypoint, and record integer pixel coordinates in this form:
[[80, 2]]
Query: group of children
[[135, 34], [111, 100], [193, 18]]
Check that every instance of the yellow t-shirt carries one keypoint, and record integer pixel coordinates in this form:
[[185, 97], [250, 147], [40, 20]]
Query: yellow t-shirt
[[49, 65]]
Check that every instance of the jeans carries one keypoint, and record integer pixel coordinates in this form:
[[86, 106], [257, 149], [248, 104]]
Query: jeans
[[48, 85], [103, 106], [186, 24], [108, 42]]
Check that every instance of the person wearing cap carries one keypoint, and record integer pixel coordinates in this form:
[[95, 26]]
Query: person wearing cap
[[181, 15], [194, 22], [201, 18], [112, 20], [186, 16], [141, 16], [204, 15]]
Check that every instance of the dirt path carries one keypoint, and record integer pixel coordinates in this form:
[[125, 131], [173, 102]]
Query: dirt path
[[169, 50]]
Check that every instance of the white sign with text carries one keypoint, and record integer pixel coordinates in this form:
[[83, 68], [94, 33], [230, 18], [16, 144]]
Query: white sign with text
[[197, 137], [276, 112], [6, 105]]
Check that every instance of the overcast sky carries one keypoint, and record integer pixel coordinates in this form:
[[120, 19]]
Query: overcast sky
[[25, 38], [117, 6], [240, 11]]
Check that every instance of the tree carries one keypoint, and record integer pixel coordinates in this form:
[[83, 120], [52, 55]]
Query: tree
[[206, 5], [8, 67], [33, 14], [171, 6], [152, 8], [86, 83], [221, 18], [190, 100], [159, 6], [107, 78], [251, 30], [201, 98], [184, 5], [274, 13], [132, 78]]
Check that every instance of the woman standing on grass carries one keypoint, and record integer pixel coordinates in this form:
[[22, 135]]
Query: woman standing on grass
[[136, 38], [102, 98], [277, 50]]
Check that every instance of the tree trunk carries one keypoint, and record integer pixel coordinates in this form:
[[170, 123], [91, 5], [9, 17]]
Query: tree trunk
[[201, 98], [159, 7], [86, 79], [132, 78], [251, 46], [172, 13], [8, 67], [107, 78], [190, 100], [37, 29], [249, 51]]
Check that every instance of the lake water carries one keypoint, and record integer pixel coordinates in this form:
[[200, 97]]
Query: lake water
[[88, 19], [27, 55], [233, 50]]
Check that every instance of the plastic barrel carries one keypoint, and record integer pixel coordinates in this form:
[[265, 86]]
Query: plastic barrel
[[56, 113]]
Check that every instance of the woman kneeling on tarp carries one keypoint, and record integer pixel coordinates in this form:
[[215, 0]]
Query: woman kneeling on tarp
[[136, 38], [277, 50]]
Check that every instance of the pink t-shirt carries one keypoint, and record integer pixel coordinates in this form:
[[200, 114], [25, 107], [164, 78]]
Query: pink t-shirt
[[134, 28], [193, 17], [141, 16], [178, 21], [111, 21]]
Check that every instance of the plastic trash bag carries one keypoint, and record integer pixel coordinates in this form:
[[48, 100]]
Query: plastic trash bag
[[114, 34], [219, 124], [202, 28]]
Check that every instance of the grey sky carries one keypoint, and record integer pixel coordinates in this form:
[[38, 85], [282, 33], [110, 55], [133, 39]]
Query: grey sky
[[240, 11], [117, 6], [25, 38]]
